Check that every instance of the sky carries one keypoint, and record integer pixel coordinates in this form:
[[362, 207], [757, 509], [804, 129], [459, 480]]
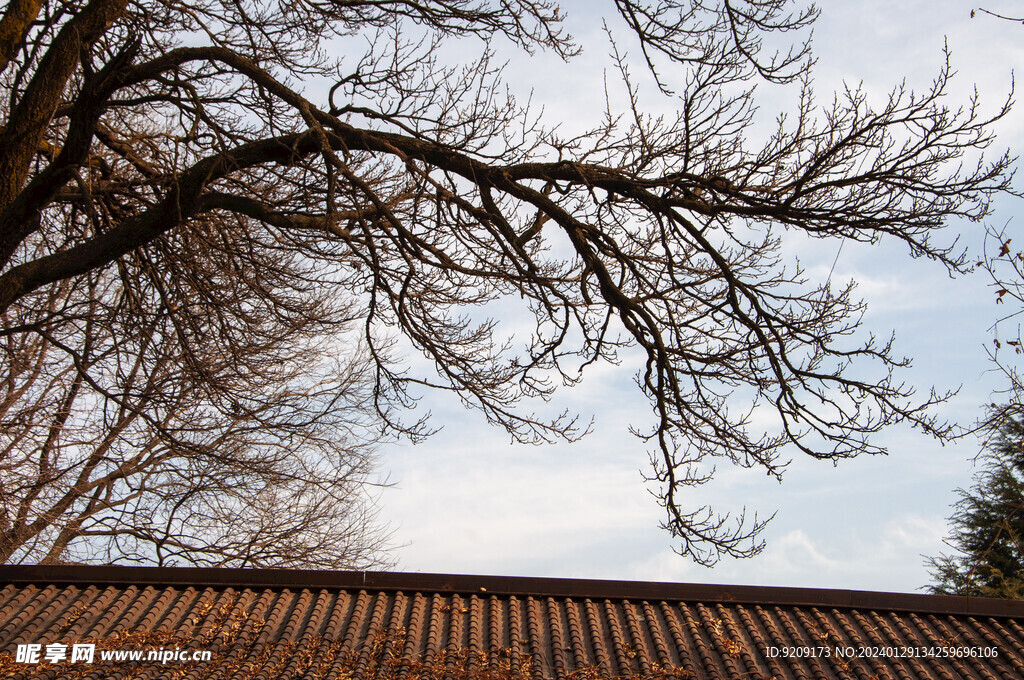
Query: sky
[[467, 501]]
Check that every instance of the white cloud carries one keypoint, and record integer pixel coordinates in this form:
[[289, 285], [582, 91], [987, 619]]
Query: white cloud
[[887, 560]]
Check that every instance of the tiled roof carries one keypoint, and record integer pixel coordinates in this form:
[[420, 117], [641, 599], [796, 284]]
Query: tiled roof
[[333, 625]]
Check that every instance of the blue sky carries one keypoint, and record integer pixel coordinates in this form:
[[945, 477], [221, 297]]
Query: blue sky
[[466, 501]]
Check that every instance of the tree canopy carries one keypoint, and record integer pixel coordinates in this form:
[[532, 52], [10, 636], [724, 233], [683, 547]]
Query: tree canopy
[[987, 527], [173, 157]]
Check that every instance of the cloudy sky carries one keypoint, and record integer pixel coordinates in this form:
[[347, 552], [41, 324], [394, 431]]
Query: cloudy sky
[[467, 501]]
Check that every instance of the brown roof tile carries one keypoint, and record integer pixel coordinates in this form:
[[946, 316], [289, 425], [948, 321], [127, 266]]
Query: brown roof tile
[[350, 625]]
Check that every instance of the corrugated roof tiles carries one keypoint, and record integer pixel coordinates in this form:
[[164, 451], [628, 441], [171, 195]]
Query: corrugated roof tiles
[[333, 625]]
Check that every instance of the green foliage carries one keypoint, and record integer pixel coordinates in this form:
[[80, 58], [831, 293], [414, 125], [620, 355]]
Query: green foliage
[[987, 527]]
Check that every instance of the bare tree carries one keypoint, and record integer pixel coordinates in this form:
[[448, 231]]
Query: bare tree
[[132, 432], [1003, 263], [997, 15], [417, 192]]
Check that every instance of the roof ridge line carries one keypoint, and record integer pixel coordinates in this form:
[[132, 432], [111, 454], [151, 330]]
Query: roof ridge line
[[507, 586]]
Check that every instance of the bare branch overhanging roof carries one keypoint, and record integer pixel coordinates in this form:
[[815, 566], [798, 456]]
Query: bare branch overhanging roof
[[317, 624]]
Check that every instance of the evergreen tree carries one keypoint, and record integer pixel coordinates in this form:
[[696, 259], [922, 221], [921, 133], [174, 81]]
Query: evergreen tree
[[988, 524]]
